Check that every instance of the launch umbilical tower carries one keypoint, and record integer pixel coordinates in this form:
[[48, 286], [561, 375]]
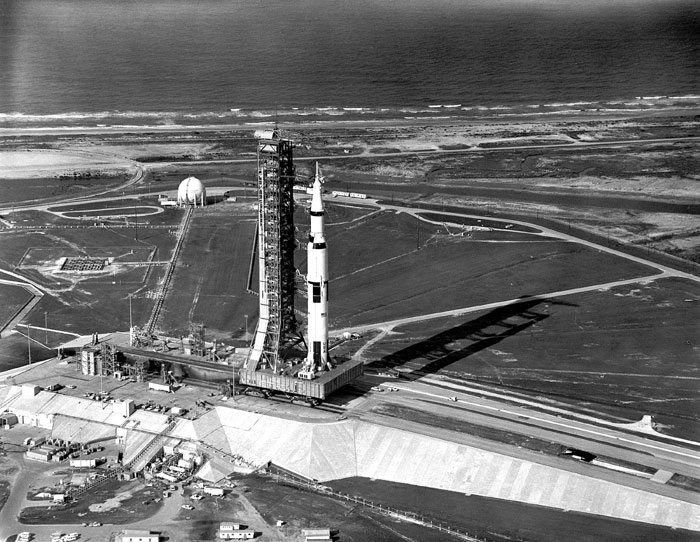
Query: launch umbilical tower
[[274, 363], [277, 324]]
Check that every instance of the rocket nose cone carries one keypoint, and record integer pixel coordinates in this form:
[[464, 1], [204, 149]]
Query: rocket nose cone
[[316, 200]]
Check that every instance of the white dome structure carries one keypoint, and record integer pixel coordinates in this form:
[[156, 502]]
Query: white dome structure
[[191, 192]]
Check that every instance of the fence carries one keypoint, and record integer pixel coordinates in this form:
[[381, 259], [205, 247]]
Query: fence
[[278, 475]]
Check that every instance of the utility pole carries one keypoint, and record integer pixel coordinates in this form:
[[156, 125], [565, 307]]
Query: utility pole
[[29, 346], [233, 381], [136, 224], [46, 327]]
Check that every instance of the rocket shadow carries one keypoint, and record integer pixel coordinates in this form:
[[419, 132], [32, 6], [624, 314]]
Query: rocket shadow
[[482, 332]]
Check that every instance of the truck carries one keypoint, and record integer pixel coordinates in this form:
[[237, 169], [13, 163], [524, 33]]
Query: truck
[[157, 386]]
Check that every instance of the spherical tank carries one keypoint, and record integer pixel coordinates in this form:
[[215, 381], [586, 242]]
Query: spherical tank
[[191, 192]]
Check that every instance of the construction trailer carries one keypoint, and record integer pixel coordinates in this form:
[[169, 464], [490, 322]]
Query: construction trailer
[[157, 386], [316, 534]]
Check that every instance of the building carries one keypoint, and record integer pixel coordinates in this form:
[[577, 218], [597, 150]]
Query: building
[[235, 531], [191, 192], [83, 463], [8, 420], [39, 454], [316, 534], [214, 491], [139, 536]]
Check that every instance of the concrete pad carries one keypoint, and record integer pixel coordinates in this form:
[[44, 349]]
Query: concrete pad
[[493, 489], [149, 421], [662, 476], [325, 460], [516, 492]]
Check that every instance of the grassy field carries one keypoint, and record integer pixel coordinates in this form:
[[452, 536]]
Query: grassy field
[[630, 350], [96, 205], [498, 520], [209, 284], [13, 299], [132, 213], [391, 266], [86, 303], [302, 509], [19, 191]]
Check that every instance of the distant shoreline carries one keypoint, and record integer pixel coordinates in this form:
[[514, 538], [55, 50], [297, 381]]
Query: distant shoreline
[[243, 119], [36, 128]]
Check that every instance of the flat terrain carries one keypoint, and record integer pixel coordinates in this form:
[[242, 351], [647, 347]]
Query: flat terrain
[[479, 516], [14, 298], [406, 267], [90, 301], [210, 279]]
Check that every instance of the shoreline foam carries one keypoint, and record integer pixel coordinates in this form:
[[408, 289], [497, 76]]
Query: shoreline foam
[[191, 120]]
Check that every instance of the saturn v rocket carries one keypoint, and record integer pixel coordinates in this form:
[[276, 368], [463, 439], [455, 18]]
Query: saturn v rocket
[[317, 358]]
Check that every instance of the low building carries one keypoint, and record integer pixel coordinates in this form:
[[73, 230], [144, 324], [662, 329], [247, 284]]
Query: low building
[[243, 534], [83, 463], [235, 531], [8, 420], [214, 491], [316, 534], [227, 526], [39, 454], [126, 407], [30, 390], [139, 536]]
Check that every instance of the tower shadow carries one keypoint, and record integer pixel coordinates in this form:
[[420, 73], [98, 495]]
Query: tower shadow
[[482, 332]]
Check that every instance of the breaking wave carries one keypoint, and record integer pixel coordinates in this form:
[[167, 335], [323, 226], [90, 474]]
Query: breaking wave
[[237, 115]]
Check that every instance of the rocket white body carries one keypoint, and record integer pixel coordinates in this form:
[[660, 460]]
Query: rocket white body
[[317, 287]]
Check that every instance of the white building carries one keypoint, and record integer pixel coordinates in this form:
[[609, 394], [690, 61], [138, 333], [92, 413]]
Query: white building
[[139, 536], [235, 531]]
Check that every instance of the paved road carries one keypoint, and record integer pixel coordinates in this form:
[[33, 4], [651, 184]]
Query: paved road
[[632, 447]]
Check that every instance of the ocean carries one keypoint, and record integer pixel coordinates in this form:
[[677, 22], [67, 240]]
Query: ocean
[[162, 62]]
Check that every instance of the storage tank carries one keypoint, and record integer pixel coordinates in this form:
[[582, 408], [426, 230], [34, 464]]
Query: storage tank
[[191, 192]]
